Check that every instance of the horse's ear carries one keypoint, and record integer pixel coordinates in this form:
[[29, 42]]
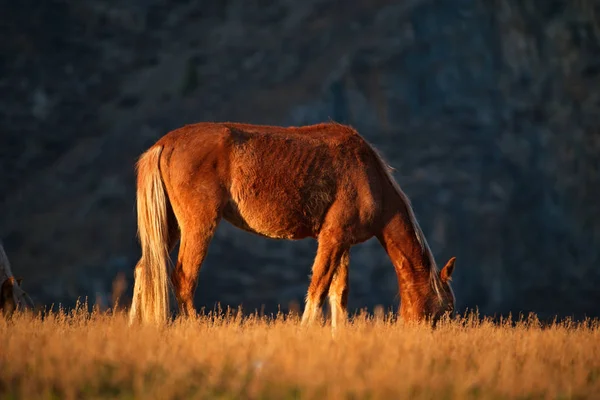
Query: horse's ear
[[19, 280], [446, 272]]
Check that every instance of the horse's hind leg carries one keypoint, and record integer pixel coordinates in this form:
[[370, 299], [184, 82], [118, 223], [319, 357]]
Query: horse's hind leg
[[338, 292], [195, 239], [329, 256]]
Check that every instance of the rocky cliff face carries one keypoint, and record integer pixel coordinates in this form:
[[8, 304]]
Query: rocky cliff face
[[488, 111]]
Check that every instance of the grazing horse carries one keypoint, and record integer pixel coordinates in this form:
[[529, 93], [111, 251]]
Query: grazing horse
[[322, 181], [11, 295]]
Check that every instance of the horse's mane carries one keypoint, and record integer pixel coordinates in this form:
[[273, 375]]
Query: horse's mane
[[434, 276]]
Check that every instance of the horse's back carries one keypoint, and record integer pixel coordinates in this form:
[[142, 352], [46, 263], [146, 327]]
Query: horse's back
[[326, 132], [330, 133]]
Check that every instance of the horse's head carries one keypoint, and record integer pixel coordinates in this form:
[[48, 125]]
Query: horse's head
[[447, 303], [12, 296], [435, 302]]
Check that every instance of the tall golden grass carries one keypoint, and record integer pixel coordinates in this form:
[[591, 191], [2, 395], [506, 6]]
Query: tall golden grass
[[78, 354]]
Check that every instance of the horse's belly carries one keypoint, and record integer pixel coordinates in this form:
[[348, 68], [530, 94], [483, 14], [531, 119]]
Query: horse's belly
[[268, 221]]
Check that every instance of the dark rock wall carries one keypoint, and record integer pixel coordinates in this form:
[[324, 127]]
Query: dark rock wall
[[487, 109]]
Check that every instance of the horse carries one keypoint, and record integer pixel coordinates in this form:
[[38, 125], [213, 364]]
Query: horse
[[12, 296], [321, 181]]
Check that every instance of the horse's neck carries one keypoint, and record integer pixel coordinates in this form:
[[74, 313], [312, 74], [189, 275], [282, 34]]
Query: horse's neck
[[407, 254]]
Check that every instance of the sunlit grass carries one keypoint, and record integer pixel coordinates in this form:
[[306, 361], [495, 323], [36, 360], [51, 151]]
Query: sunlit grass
[[97, 355]]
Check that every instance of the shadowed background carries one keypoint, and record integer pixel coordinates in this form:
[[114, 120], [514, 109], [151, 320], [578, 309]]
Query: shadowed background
[[488, 110]]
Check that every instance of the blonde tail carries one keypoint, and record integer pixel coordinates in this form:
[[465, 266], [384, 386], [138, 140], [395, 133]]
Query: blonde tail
[[151, 287]]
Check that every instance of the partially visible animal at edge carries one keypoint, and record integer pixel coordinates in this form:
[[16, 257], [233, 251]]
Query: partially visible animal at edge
[[322, 181], [12, 296]]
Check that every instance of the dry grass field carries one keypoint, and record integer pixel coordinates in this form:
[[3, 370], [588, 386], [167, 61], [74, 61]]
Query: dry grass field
[[77, 354]]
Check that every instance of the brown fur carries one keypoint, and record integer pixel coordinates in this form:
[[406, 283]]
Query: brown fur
[[322, 181]]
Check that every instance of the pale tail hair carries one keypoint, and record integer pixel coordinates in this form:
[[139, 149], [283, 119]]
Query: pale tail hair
[[434, 277], [151, 287]]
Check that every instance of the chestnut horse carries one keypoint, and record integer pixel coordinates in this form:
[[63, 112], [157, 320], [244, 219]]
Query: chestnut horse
[[322, 181]]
